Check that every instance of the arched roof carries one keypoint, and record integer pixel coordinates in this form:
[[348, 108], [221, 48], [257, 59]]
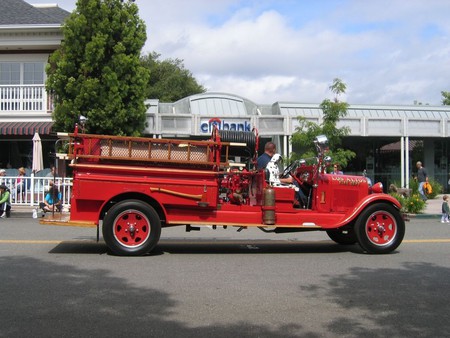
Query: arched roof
[[220, 104]]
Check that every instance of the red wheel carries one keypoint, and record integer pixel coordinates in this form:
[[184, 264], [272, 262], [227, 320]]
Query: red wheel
[[131, 228], [380, 228]]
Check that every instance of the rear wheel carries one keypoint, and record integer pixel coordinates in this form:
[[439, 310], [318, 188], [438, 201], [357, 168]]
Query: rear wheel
[[380, 228], [343, 236], [131, 228]]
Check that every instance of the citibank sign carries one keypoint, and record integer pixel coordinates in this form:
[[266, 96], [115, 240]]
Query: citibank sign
[[238, 125]]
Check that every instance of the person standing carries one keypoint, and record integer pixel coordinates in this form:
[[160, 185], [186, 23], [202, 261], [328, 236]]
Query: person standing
[[337, 170], [52, 172], [445, 210], [422, 177], [19, 188], [2, 175]]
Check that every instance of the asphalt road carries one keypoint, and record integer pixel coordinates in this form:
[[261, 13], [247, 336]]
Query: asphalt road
[[58, 282]]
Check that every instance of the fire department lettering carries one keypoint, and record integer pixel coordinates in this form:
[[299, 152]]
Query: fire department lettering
[[348, 180]]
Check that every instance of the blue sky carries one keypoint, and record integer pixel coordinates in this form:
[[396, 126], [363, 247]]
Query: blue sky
[[386, 51]]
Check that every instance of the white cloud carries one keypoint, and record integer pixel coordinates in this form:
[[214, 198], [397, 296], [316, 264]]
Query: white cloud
[[386, 51]]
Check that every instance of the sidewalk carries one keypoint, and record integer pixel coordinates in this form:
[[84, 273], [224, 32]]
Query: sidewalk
[[433, 208]]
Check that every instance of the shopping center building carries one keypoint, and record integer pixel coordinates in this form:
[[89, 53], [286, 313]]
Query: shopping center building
[[388, 140]]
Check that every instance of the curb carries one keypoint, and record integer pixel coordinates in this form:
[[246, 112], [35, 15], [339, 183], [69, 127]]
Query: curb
[[22, 212], [424, 215]]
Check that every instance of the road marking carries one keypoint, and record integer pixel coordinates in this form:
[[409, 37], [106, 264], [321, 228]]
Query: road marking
[[22, 241], [443, 240]]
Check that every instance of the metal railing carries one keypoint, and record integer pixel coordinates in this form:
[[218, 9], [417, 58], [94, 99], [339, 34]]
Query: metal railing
[[24, 98], [31, 190]]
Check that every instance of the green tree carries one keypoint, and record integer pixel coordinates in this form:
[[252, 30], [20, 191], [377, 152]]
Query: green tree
[[97, 71], [169, 79], [306, 132], [446, 98]]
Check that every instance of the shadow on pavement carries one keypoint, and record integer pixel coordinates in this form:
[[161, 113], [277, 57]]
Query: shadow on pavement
[[408, 302], [41, 299], [201, 246]]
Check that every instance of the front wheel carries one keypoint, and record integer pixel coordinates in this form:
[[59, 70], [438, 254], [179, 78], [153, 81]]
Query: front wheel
[[380, 228], [131, 228]]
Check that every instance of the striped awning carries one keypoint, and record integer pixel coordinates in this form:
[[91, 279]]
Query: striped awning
[[25, 128]]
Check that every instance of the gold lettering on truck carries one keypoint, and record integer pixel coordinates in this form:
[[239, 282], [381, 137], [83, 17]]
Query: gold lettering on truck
[[348, 180]]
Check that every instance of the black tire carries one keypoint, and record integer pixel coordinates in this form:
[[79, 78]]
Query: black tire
[[343, 236], [131, 228], [380, 228]]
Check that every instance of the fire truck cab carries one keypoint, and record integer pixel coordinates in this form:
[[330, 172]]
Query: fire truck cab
[[134, 187]]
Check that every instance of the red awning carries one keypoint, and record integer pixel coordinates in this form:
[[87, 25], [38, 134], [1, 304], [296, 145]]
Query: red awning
[[25, 128]]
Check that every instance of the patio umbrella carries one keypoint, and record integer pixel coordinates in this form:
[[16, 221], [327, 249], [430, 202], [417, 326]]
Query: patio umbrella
[[38, 162]]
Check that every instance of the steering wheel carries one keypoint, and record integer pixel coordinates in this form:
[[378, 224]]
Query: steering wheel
[[288, 170]]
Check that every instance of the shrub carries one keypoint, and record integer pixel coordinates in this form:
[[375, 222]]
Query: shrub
[[414, 186], [435, 186], [415, 204], [412, 204], [399, 198]]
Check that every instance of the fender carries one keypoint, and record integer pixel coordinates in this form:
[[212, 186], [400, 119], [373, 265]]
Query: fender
[[365, 202]]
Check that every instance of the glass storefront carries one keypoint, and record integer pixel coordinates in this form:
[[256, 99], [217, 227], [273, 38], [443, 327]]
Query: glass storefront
[[382, 158]]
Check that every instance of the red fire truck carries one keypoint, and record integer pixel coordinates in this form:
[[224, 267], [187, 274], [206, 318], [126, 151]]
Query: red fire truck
[[134, 187]]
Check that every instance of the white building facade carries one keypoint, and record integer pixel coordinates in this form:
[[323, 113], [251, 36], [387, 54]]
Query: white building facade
[[28, 35]]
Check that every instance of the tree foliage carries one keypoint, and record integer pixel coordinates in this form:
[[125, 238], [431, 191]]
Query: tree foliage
[[307, 131], [169, 79], [97, 71], [445, 98]]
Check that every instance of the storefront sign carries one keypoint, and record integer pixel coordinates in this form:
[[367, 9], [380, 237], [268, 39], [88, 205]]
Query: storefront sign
[[228, 124]]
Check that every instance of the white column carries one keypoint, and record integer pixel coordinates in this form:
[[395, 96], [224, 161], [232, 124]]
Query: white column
[[289, 145], [285, 147], [407, 162], [402, 162]]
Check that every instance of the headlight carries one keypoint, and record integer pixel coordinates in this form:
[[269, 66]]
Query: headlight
[[377, 188]]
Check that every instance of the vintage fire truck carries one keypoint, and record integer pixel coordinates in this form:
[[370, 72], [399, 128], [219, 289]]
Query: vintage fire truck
[[132, 188]]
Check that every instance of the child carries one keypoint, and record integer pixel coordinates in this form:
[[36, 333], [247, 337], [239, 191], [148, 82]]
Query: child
[[52, 200], [445, 210]]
